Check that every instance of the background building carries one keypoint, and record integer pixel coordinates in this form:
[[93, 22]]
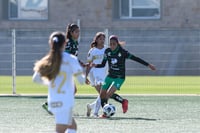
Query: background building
[[146, 14], [163, 32]]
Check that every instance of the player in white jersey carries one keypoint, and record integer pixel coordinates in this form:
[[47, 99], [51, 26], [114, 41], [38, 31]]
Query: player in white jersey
[[56, 70], [97, 75]]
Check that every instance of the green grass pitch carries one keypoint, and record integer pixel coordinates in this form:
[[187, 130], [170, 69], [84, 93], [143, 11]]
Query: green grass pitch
[[132, 85]]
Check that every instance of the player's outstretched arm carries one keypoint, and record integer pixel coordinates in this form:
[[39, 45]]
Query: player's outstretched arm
[[152, 67], [88, 68], [141, 61], [80, 77], [37, 78], [100, 65]]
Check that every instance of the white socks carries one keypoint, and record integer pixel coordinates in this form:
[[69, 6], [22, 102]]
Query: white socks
[[97, 105], [70, 130]]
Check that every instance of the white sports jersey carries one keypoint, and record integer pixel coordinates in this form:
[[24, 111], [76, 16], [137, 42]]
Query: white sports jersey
[[97, 75], [61, 90], [96, 55]]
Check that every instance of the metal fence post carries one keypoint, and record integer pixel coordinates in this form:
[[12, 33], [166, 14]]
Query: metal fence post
[[13, 61], [107, 36]]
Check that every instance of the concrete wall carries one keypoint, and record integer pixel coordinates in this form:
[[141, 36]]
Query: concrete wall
[[101, 14], [174, 52]]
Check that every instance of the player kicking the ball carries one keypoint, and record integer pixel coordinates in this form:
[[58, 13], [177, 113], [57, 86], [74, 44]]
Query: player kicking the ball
[[116, 57], [97, 75]]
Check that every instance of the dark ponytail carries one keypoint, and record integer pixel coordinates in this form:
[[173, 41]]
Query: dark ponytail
[[71, 28]]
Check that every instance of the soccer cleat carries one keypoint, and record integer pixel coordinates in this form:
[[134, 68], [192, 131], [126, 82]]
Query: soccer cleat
[[45, 107], [88, 110], [95, 115], [125, 105], [103, 116]]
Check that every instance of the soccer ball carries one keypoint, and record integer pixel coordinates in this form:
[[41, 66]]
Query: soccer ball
[[109, 110]]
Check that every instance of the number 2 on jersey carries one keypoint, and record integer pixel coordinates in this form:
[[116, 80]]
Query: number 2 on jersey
[[63, 75]]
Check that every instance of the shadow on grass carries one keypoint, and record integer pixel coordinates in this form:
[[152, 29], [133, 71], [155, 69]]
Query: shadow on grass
[[85, 97], [132, 118], [116, 118]]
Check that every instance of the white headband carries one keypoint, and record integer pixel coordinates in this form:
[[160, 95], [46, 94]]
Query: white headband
[[55, 39]]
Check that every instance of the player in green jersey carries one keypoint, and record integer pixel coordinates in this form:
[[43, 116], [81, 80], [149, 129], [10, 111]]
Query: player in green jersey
[[71, 47], [97, 75], [72, 34], [116, 57]]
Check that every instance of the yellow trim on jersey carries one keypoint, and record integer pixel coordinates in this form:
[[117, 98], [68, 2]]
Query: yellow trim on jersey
[[79, 73], [89, 61]]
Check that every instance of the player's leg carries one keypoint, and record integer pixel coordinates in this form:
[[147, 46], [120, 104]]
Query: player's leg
[[96, 82], [90, 106], [117, 98], [93, 104], [103, 92], [97, 106], [65, 121], [117, 84], [45, 107], [104, 98], [99, 81], [98, 100], [75, 89], [121, 100], [60, 128], [110, 91], [72, 128]]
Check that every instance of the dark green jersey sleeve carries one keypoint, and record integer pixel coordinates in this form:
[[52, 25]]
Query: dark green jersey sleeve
[[103, 63], [135, 58]]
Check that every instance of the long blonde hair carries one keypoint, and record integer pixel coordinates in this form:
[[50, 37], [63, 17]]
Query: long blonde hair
[[49, 66]]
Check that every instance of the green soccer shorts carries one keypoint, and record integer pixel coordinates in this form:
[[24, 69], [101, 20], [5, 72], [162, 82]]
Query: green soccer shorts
[[117, 82]]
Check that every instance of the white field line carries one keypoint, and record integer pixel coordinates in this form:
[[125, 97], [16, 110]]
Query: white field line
[[45, 95]]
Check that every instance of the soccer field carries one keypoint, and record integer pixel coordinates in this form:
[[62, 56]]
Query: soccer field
[[146, 114], [132, 85]]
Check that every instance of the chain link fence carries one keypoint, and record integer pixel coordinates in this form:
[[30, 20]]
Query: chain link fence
[[173, 52]]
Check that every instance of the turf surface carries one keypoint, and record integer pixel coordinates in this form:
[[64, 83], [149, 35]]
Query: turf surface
[[146, 114]]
